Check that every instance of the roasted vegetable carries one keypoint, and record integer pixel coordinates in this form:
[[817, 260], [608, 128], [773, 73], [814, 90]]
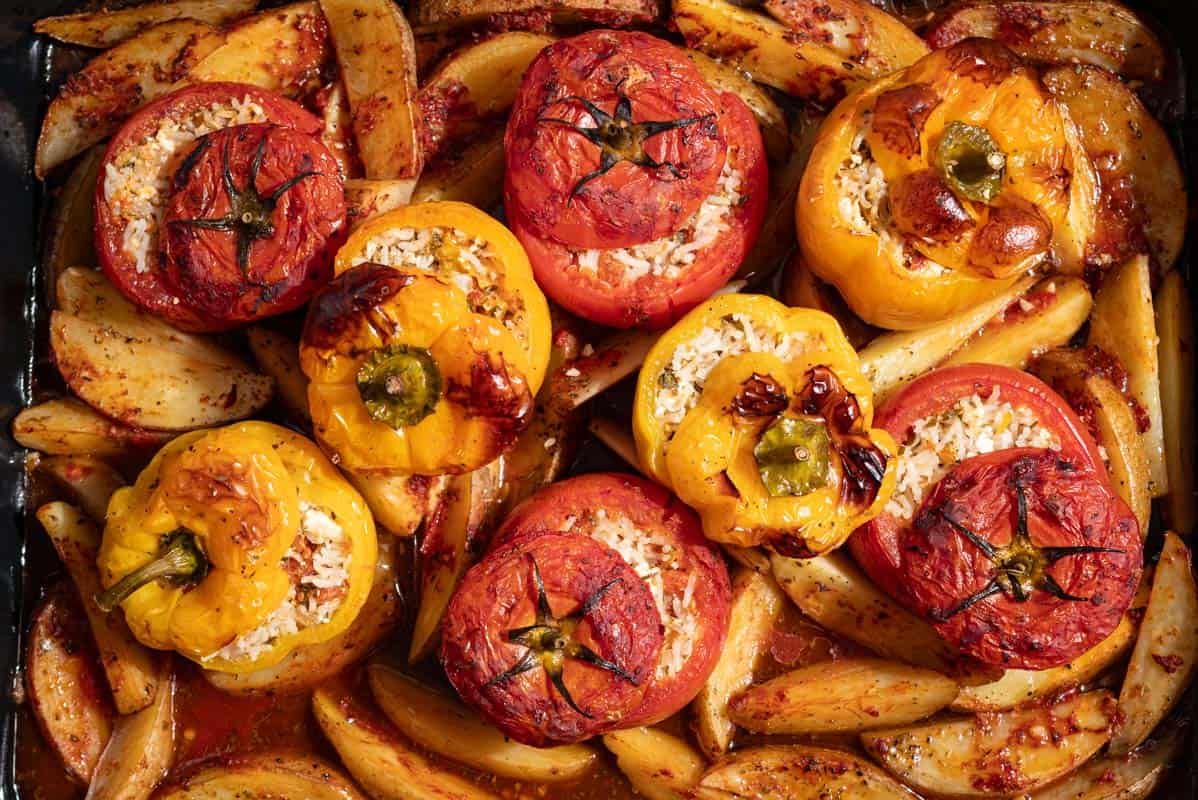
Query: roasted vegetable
[[140, 751], [70, 239], [68, 427], [90, 482], [1175, 327], [265, 776], [107, 28], [659, 766], [797, 772], [459, 13]]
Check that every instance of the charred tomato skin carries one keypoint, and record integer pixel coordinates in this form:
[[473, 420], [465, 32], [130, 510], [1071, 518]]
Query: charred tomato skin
[[282, 270], [1079, 597], [650, 508], [616, 619], [150, 289], [876, 546]]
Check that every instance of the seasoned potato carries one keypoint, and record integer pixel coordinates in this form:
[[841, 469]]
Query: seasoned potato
[[89, 481], [265, 776], [106, 28], [797, 772], [140, 751], [472, 175], [278, 356], [1175, 327], [366, 198], [1109, 777], [400, 502], [71, 235], [998, 754], [800, 288], [458, 13], [67, 427], [658, 765]]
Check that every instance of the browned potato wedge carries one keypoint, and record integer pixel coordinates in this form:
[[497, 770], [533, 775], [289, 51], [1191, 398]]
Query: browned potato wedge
[[366, 198], [71, 241], [102, 29], [615, 358], [68, 427], [1108, 777], [820, 57], [438, 722], [337, 133], [1166, 650], [382, 763], [1048, 316], [141, 749], [756, 605], [399, 502], [1123, 324], [775, 132], [278, 356], [131, 668], [67, 692], [89, 481], [377, 55], [849, 694], [1132, 154], [658, 765], [458, 13], [1097, 32], [305, 667], [1175, 327], [797, 772], [265, 776], [95, 101], [472, 175], [283, 49], [800, 288], [998, 754]]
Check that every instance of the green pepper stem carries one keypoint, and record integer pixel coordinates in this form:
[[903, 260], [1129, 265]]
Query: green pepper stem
[[179, 560]]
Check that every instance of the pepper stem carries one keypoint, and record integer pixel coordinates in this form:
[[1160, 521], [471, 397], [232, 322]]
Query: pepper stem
[[400, 385], [179, 561]]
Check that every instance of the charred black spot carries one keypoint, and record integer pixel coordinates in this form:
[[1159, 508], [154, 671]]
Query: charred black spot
[[760, 396]]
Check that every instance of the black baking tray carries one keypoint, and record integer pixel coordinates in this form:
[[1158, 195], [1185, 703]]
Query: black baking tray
[[31, 68]]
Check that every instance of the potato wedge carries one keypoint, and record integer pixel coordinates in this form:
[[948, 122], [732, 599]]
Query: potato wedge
[[89, 481], [892, 360], [849, 694], [366, 198], [1109, 777], [998, 754], [1162, 663], [265, 776], [1047, 316], [1132, 153], [801, 288], [132, 669], [461, 13], [67, 692], [377, 55], [67, 427], [1123, 324], [278, 357], [756, 605], [438, 722], [400, 502], [101, 29], [1175, 327], [337, 133], [1098, 32], [775, 132], [71, 240], [797, 772], [659, 766], [380, 761], [95, 101], [305, 667], [141, 749], [472, 175], [283, 49]]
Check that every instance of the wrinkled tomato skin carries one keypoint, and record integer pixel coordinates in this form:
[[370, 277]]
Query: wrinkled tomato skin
[[650, 508], [284, 270], [659, 301], [1068, 505], [875, 546], [498, 595], [149, 289], [547, 160]]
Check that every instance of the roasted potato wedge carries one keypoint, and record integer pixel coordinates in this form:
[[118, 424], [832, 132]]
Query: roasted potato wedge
[[67, 427], [140, 751], [95, 101], [278, 357], [377, 55], [1098, 32], [800, 288], [1144, 191], [132, 669], [797, 772], [366, 198], [283, 49], [89, 481], [775, 132], [472, 175], [659, 766], [1109, 777], [998, 754], [1175, 327], [101, 29], [71, 240], [1123, 324], [379, 760], [67, 692], [337, 133], [440, 723], [849, 694], [400, 502], [756, 604], [265, 776], [305, 667], [1162, 663], [461, 13]]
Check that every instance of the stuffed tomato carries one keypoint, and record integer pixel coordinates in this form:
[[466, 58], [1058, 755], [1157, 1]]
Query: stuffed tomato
[[636, 188], [219, 205]]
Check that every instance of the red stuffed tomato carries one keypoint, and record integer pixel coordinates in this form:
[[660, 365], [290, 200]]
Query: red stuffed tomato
[[1023, 558], [218, 205], [552, 638], [635, 187], [662, 540], [947, 416]]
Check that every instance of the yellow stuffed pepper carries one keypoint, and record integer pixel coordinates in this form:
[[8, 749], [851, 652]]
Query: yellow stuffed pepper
[[758, 417], [237, 545], [938, 187]]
